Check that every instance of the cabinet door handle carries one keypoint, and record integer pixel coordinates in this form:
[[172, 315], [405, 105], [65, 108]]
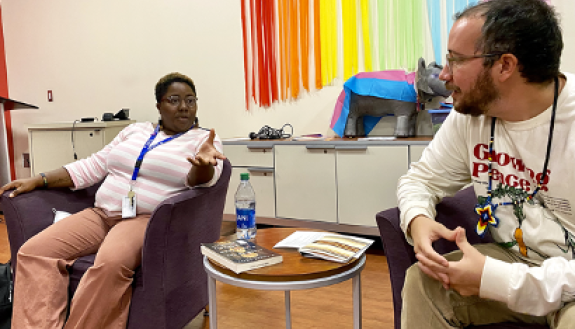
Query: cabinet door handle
[[255, 147], [261, 170], [351, 147], [319, 147]]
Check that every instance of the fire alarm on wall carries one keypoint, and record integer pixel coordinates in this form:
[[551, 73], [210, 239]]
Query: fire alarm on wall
[[49, 95]]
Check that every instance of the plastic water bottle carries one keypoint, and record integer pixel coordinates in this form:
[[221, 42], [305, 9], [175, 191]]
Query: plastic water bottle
[[245, 209]]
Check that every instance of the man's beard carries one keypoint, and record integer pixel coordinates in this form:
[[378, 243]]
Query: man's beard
[[479, 98]]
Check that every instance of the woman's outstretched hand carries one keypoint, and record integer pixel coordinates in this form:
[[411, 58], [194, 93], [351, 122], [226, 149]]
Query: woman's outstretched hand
[[207, 154]]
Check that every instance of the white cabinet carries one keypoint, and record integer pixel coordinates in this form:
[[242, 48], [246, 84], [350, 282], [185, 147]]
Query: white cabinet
[[52, 145], [339, 185], [345, 184], [415, 152], [367, 180], [305, 182], [258, 161]]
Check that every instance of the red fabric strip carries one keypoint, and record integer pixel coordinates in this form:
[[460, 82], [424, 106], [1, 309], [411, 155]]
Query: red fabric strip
[[261, 71], [281, 48], [264, 88], [285, 50], [254, 53], [9, 138], [246, 72], [272, 52], [269, 32]]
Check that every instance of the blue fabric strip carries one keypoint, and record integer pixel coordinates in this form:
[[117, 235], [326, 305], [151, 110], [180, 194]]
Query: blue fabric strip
[[433, 13], [449, 13], [460, 5]]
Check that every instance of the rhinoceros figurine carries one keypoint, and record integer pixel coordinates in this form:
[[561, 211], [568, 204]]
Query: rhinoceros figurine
[[369, 96]]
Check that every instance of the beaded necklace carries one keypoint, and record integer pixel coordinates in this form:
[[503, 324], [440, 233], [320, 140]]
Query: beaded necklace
[[486, 210]]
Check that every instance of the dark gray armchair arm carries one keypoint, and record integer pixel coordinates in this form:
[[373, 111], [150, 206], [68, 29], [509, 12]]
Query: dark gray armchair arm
[[172, 267], [452, 212], [29, 213]]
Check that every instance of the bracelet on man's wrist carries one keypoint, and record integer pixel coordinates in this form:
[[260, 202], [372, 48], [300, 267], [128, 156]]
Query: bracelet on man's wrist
[[44, 179]]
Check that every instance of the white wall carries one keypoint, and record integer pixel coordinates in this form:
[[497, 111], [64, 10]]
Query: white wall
[[102, 56]]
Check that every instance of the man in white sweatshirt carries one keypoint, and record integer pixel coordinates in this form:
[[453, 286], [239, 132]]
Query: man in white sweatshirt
[[513, 137]]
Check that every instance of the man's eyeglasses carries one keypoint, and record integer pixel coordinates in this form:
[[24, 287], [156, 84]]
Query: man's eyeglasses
[[175, 100], [452, 61]]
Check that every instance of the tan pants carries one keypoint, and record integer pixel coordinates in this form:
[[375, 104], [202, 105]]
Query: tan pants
[[426, 304], [102, 299]]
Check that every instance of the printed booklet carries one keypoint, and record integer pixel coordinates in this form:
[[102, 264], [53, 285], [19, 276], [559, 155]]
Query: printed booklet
[[325, 245], [240, 255]]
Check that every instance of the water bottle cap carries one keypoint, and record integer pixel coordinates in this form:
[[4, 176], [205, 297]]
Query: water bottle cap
[[244, 176]]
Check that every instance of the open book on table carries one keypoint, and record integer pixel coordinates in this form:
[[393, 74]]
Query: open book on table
[[330, 246]]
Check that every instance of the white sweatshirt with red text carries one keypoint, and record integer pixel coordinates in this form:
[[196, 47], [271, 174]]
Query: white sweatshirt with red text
[[458, 155]]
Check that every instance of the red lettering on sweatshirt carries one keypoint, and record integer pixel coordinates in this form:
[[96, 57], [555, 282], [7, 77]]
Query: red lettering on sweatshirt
[[502, 159]]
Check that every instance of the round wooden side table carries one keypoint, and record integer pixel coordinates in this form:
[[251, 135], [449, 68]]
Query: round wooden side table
[[294, 273]]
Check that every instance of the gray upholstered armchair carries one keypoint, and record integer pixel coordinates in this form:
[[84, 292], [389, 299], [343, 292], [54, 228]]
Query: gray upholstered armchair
[[170, 287], [452, 212]]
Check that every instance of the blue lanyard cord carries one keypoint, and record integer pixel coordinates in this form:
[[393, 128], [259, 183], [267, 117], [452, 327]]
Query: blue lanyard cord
[[147, 148]]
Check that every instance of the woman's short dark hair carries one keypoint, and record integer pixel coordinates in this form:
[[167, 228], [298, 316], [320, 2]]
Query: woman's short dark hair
[[167, 80], [528, 29]]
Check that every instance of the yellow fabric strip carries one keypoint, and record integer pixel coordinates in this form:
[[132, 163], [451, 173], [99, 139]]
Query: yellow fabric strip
[[366, 37], [328, 40], [333, 41], [355, 50], [317, 45], [349, 38], [323, 39]]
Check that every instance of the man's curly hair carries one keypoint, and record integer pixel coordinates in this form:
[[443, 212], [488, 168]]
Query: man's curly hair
[[167, 80]]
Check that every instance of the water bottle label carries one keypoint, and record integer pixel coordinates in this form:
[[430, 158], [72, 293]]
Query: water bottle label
[[245, 218]]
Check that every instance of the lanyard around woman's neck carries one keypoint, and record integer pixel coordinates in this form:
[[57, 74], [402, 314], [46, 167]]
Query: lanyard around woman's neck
[[148, 147]]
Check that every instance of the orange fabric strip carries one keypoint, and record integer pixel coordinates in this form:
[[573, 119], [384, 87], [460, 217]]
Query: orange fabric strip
[[304, 42], [294, 59], [285, 63], [317, 44], [246, 74], [272, 51]]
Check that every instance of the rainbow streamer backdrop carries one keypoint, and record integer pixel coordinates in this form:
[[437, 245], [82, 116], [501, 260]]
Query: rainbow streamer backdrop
[[296, 45]]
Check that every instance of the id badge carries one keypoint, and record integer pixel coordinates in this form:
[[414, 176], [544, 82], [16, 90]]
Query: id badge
[[129, 206]]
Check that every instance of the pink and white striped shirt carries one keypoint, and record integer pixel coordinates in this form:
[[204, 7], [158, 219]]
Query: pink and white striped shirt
[[163, 172]]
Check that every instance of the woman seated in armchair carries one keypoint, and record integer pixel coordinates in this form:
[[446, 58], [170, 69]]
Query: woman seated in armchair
[[141, 167]]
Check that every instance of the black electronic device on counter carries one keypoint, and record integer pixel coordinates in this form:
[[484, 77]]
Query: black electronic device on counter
[[123, 114], [268, 132], [108, 117]]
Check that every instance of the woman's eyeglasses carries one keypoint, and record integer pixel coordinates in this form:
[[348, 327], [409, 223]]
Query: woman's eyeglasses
[[175, 100]]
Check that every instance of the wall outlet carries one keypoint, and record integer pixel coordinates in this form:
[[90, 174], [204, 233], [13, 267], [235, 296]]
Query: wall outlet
[[26, 160]]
